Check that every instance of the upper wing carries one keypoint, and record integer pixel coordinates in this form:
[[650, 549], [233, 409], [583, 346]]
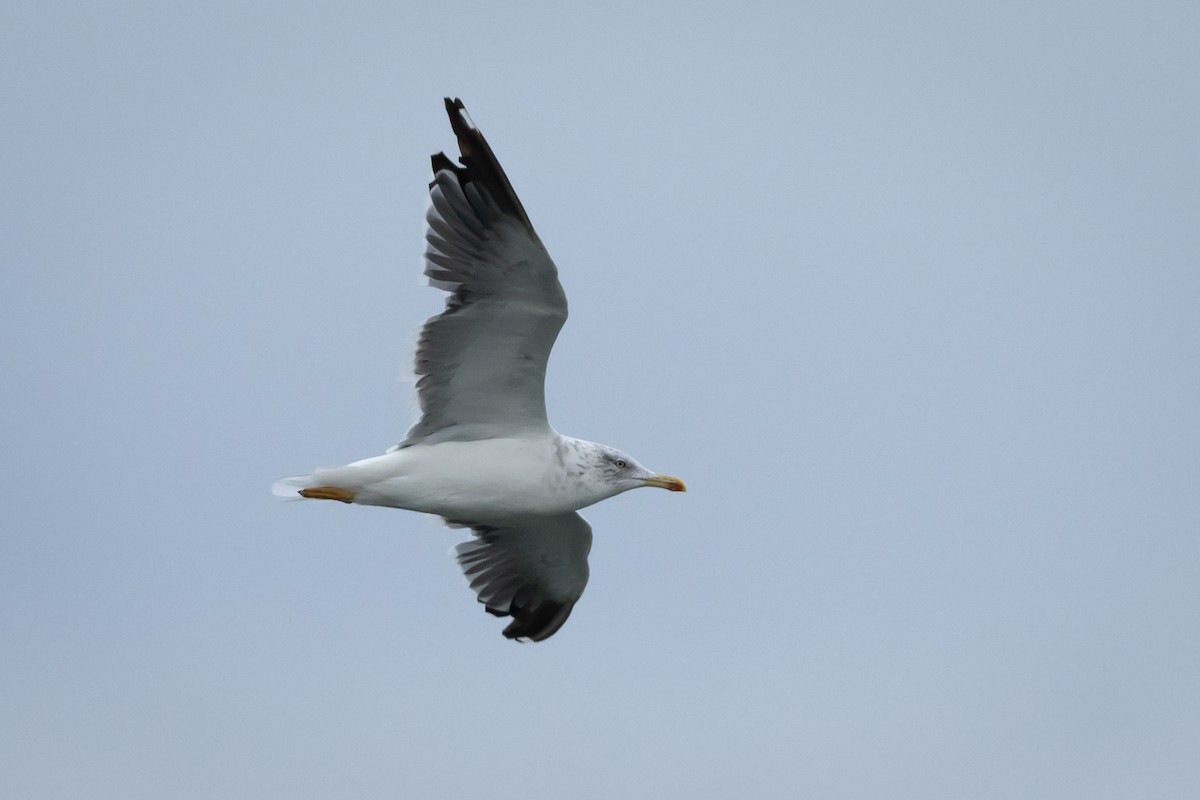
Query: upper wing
[[482, 361], [533, 569]]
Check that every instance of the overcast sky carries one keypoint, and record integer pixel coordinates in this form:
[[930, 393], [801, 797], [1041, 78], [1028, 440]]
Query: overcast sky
[[909, 294]]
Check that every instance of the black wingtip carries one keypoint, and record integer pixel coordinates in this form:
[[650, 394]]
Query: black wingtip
[[441, 161], [481, 163], [539, 621], [455, 110]]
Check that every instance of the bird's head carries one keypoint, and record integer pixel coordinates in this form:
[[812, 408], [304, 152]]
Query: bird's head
[[623, 471]]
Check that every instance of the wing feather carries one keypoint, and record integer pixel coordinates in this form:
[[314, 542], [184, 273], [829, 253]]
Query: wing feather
[[532, 569], [481, 363]]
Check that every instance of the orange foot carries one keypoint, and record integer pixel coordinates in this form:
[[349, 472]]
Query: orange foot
[[327, 493]]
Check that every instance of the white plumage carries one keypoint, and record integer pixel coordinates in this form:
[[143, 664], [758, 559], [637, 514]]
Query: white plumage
[[483, 454]]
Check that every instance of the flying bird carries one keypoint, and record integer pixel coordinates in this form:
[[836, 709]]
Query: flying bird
[[483, 455]]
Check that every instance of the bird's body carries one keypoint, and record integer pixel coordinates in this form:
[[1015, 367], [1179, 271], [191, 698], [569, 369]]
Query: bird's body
[[483, 455], [481, 480]]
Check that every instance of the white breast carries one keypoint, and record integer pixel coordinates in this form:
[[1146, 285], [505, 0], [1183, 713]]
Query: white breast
[[469, 481]]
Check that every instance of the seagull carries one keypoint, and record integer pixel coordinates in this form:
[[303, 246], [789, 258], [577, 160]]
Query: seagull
[[483, 455]]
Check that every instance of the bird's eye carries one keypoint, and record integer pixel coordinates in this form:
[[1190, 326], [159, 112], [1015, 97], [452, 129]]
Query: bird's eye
[[621, 463]]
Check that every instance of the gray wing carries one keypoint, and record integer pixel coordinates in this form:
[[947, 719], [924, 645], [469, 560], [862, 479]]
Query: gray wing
[[482, 362], [533, 569]]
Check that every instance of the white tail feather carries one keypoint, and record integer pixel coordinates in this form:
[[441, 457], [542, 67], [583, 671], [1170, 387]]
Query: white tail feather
[[289, 488]]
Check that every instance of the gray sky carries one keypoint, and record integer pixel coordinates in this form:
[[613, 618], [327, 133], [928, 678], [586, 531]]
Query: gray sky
[[907, 293]]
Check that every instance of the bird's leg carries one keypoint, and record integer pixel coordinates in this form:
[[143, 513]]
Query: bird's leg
[[327, 493]]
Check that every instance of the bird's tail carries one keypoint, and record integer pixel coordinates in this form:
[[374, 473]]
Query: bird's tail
[[289, 488]]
